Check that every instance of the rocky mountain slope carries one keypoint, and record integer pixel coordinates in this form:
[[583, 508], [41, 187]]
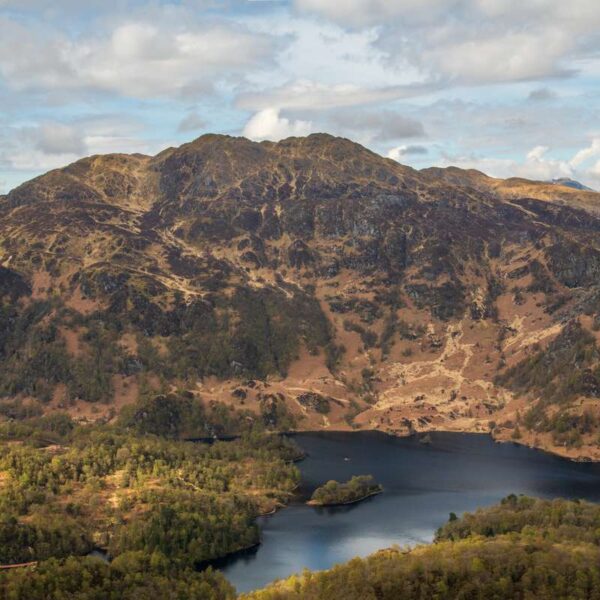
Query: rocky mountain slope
[[309, 282]]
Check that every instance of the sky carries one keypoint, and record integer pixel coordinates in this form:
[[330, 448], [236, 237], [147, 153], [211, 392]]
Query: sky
[[510, 87]]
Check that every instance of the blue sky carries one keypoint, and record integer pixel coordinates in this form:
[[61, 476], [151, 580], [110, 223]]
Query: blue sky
[[511, 87]]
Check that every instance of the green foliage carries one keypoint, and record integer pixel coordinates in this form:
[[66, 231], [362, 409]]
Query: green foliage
[[56, 427], [253, 333], [191, 501], [474, 568], [316, 402], [167, 415], [541, 279], [35, 358], [188, 527], [357, 488], [367, 336], [558, 520], [333, 355], [275, 413], [408, 331], [48, 536], [132, 576], [387, 335]]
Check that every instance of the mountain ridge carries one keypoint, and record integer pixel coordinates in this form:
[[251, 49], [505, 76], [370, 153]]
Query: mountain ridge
[[568, 182], [455, 175]]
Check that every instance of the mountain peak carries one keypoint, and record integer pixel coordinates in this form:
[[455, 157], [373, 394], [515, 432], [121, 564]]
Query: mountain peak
[[320, 142]]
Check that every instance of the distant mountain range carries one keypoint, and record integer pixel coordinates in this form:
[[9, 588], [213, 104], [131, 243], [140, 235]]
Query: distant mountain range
[[310, 282], [572, 184]]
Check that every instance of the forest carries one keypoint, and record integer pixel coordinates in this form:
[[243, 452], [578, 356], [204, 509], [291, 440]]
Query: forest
[[160, 507]]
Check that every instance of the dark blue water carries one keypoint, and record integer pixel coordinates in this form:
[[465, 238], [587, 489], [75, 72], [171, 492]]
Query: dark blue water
[[423, 483]]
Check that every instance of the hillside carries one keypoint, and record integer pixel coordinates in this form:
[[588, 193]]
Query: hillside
[[311, 283]]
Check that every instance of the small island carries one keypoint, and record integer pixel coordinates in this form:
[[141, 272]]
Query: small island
[[334, 493]]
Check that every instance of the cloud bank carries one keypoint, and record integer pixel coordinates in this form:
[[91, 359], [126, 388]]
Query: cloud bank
[[509, 87]]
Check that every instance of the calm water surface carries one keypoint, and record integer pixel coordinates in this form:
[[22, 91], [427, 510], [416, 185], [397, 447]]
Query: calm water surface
[[423, 483]]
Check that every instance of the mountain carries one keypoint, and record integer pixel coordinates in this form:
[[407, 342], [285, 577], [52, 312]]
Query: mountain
[[310, 282], [572, 184]]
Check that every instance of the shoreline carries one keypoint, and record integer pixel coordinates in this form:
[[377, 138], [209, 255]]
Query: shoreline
[[350, 502], [253, 546], [215, 562], [582, 458]]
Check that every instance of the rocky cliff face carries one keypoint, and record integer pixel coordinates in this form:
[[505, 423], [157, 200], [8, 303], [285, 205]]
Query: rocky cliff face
[[260, 275]]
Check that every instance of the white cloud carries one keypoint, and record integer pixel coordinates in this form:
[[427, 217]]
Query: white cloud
[[58, 138], [51, 145], [586, 154], [316, 50], [504, 57], [381, 125], [28, 159], [31, 56], [480, 78], [109, 144], [374, 127], [145, 60], [537, 165], [41, 147], [367, 13], [595, 176], [268, 124], [192, 122], [474, 41], [400, 152], [311, 95], [582, 15], [137, 59]]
